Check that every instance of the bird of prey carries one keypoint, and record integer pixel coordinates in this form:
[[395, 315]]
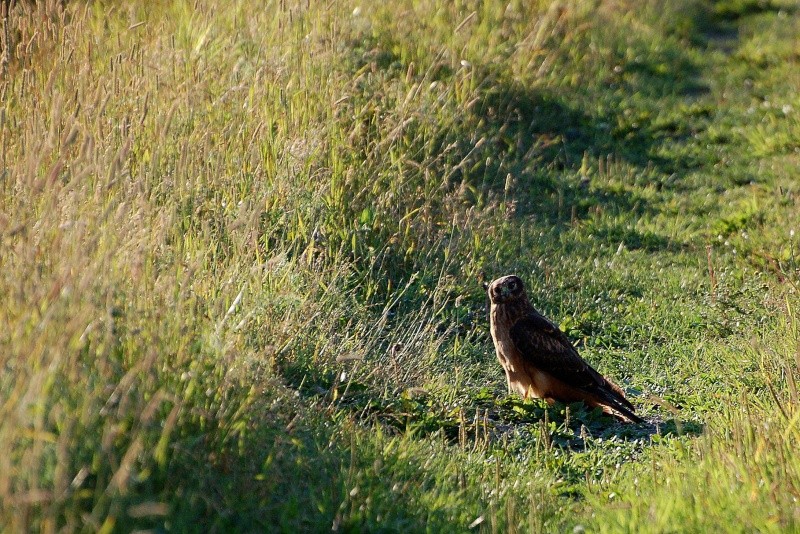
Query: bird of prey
[[540, 361]]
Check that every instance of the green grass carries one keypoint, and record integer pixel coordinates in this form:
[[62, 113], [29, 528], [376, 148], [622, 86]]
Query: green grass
[[240, 253]]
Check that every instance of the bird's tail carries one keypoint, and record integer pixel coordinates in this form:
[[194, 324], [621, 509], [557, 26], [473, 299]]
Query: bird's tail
[[614, 399], [623, 413], [618, 406]]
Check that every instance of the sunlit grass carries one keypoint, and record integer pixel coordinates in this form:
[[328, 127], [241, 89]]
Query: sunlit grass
[[240, 252]]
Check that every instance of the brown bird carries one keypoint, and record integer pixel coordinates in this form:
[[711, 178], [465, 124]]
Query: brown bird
[[540, 361]]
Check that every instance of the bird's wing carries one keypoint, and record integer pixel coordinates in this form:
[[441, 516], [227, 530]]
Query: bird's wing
[[546, 347]]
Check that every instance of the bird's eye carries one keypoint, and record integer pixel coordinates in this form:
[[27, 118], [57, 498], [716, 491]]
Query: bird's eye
[[512, 286]]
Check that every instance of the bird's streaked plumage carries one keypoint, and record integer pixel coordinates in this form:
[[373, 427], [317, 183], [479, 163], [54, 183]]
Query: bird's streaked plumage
[[540, 361]]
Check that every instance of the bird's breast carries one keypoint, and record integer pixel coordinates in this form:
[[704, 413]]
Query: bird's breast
[[500, 328]]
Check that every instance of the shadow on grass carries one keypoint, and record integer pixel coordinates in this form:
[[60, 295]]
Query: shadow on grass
[[543, 141], [570, 425], [293, 467], [483, 416], [726, 11], [542, 136]]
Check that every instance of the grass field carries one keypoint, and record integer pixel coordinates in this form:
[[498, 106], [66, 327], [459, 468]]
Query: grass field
[[241, 245]]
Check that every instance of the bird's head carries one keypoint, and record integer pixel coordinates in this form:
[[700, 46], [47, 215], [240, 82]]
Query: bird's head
[[506, 289]]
